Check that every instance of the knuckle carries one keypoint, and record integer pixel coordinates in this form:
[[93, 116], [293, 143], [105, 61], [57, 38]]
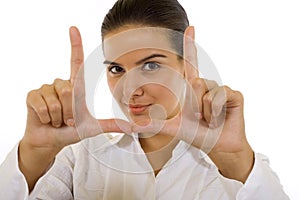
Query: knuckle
[[66, 92], [206, 99], [45, 86], [222, 92], [42, 110], [32, 97], [76, 45], [77, 61], [31, 94], [57, 81], [236, 94], [55, 107], [211, 84], [214, 83], [226, 87], [198, 83], [239, 95]]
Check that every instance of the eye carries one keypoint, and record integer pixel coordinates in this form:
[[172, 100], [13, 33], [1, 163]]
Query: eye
[[150, 66], [115, 69]]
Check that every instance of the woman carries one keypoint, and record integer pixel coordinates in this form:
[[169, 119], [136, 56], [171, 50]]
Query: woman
[[151, 70]]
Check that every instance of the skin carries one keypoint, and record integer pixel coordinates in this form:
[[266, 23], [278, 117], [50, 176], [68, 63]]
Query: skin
[[229, 149], [157, 64], [51, 121]]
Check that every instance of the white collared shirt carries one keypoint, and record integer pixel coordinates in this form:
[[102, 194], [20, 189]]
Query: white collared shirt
[[116, 168]]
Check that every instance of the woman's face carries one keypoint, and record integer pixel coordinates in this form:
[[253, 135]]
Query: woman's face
[[144, 73]]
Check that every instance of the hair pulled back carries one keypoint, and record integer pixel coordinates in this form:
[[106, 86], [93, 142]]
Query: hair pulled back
[[167, 14]]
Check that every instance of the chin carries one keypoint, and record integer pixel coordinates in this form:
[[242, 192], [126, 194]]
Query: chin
[[141, 120]]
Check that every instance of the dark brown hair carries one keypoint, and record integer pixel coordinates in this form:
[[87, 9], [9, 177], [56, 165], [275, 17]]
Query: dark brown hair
[[153, 13]]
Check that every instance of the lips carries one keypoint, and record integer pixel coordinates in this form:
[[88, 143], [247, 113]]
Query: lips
[[138, 108]]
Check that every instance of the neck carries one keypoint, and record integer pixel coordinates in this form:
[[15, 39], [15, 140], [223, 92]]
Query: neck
[[158, 149], [158, 142]]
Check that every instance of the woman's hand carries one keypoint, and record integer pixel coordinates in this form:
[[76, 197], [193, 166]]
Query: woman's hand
[[211, 119], [53, 122]]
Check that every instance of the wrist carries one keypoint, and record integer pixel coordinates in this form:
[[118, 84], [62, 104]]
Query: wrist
[[34, 162], [236, 165], [35, 158]]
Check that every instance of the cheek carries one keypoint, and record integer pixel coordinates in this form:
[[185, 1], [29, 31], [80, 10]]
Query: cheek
[[165, 97], [112, 83], [111, 86]]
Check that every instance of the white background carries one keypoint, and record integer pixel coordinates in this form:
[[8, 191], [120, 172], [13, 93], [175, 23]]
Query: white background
[[254, 44]]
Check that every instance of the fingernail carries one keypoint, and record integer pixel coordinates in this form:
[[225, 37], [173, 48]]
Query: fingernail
[[193, 32], [56, 125], [70, 122], [198, 115], [73, 30]]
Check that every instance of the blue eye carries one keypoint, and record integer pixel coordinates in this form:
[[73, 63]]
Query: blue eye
[[116, 69], [150, 66]]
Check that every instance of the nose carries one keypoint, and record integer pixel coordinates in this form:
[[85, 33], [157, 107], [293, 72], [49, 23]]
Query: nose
[[132, 85]]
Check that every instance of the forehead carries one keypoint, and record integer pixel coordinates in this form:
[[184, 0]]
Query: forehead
[[126, 40]]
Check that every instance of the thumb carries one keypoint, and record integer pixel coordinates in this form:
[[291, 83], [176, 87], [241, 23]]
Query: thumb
[[96, 127], [154, 126], [179, 127], [115, 125]]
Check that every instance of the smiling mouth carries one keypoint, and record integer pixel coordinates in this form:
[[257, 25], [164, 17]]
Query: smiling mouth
[[137, 109]]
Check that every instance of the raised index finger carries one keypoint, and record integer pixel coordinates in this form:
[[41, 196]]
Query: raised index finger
[[190, 55], [77, 56]]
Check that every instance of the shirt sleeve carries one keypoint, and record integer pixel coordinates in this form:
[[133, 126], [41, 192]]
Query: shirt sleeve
[[262, 183], [13, 184], [56, 183]]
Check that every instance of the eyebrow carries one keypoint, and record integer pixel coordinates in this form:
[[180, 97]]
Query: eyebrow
[[138, 62]]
